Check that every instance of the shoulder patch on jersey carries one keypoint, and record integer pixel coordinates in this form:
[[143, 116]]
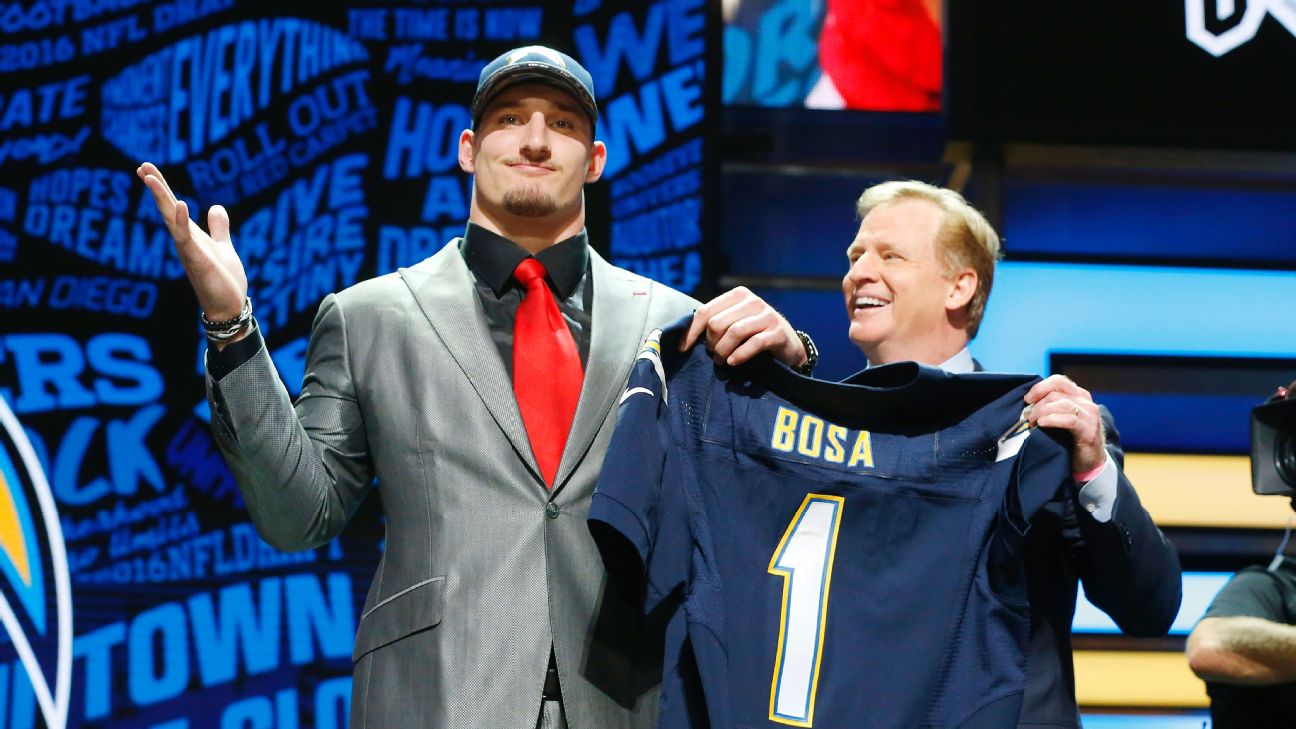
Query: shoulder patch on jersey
[[635, 391], [650, 352]]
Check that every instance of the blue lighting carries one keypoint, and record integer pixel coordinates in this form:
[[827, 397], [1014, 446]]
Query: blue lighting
[[1147, 721], [1038, 308]]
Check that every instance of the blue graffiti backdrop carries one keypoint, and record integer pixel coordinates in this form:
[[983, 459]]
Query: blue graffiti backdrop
[[133, 590]]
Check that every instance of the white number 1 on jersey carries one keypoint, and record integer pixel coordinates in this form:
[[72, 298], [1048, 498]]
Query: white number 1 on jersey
[[804, 559]]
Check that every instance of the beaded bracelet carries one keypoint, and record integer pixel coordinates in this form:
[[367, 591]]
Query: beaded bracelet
[[220, 331]]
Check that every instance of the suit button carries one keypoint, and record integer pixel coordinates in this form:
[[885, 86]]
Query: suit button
[[551, 510]]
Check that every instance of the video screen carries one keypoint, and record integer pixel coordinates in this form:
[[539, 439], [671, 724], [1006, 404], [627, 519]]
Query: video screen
[[875, 55], [1190, 73]]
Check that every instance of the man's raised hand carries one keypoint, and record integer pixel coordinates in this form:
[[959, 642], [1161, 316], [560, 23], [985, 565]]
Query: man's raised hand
[[1058, 402], [210, 261]]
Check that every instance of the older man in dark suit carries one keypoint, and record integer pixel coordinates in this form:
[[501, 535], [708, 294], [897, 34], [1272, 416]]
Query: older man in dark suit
[[921, 268]]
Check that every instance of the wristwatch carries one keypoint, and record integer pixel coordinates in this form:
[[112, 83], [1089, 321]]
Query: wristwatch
[[812, 354]]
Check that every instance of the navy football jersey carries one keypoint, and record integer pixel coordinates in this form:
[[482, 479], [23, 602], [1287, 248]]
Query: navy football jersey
[[826, 555]]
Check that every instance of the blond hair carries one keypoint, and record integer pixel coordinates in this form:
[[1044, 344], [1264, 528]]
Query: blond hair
[[964, 240]]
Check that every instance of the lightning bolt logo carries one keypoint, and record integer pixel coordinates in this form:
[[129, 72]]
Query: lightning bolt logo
[[35, 586]]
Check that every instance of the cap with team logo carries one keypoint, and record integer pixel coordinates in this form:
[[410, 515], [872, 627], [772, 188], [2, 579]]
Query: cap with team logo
[[536, 64]]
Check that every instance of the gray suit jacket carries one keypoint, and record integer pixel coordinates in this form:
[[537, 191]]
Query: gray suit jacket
[[484, 567]]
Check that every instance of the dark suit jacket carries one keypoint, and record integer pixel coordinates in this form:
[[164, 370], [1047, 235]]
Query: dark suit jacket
[[1129, 569]]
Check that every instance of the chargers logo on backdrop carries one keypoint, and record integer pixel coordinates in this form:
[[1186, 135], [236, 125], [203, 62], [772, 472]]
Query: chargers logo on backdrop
[[1244, 25], [35, 588]]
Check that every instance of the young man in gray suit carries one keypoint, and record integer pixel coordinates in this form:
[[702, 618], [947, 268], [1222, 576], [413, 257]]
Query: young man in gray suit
[[920, 272], [478, 386]]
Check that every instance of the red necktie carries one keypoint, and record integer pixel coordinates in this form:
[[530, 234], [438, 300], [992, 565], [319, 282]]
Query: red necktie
[[547, 370]]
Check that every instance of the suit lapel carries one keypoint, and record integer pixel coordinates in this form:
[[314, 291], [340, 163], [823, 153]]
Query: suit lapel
[[443, 287], [620, 312]]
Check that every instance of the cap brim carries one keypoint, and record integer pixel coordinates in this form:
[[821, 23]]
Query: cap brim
[[535, 72]]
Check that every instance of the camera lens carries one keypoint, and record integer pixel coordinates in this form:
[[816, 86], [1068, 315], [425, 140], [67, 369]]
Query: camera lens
[[1285, 457]]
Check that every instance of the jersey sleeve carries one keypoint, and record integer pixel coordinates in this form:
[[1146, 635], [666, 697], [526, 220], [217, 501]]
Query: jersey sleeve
[[1042, 468], [636, 514]]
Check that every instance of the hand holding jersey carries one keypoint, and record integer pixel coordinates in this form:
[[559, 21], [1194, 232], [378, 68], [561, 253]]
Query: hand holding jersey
[[1058, 402], [739, 325]]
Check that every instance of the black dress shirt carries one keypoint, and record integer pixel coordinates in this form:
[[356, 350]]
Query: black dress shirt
[[491, 259]]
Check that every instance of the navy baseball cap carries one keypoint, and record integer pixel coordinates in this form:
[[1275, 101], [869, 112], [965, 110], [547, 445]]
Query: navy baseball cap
[[536, 64]]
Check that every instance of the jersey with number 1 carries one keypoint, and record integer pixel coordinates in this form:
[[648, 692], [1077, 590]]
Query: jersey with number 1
[[822, 554]]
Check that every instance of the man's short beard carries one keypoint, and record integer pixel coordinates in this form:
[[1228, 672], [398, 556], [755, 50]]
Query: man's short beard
[[529, 202]]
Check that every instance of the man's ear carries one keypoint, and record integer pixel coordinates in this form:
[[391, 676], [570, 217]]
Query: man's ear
[[466, 157], [963, 287], [597, 161]]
